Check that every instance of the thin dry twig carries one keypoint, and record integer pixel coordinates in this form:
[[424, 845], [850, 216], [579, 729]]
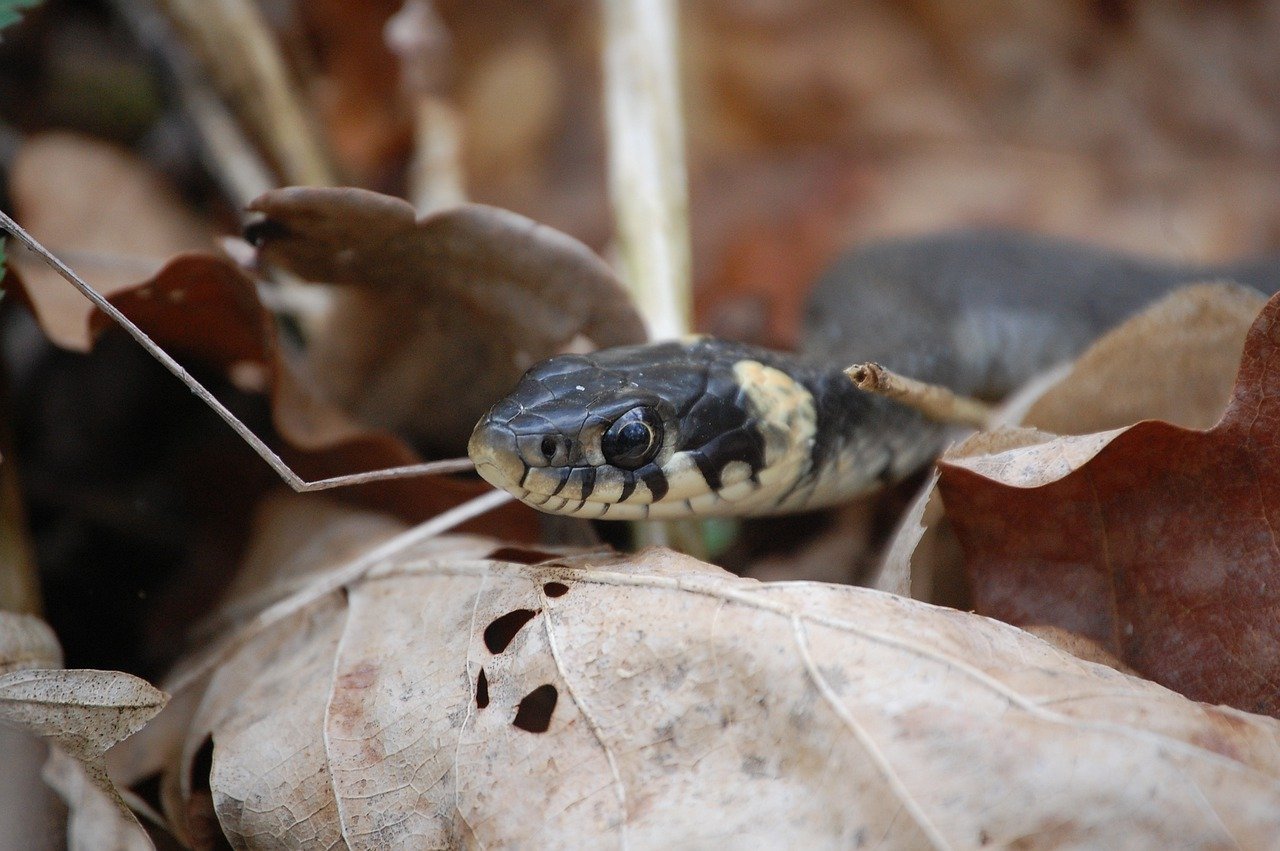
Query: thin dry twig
[[277, 463], [228, 152], [932, 400], [243, 59]]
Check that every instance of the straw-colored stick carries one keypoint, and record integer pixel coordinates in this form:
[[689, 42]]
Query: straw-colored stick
[[244, 61], [932, 400], [647, 179]]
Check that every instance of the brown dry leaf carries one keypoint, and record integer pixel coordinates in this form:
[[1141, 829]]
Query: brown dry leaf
[[1175, 360], [122, 225], [203, 307], [105, 212], [1155, 541], [452, 698], [443, 313]]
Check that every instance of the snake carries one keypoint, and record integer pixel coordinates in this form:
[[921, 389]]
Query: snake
[[705, 427]]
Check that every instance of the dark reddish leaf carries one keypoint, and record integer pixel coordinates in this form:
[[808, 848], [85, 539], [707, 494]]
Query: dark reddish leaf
[[203, 307], [1161, 545]]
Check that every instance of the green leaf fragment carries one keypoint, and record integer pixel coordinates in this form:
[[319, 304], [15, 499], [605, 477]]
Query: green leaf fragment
[[11, 10]]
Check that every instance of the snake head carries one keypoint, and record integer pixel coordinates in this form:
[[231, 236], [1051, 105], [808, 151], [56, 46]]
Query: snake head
[[658, 431]]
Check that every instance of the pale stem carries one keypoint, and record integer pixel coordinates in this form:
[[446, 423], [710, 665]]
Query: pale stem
[[933, 400], [647, 180], [242, 57]]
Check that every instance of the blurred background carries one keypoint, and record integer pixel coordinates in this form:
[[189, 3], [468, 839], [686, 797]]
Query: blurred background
[[811, 126]]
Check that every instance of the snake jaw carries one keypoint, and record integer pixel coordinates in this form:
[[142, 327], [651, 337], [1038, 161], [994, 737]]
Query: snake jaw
[[494, 451]]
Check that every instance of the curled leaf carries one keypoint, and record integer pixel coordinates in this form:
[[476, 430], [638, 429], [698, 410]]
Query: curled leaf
[[1156, 541], [440, 315]]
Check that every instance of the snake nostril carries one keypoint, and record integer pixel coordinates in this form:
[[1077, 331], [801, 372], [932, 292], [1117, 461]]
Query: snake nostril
[[548, 447]]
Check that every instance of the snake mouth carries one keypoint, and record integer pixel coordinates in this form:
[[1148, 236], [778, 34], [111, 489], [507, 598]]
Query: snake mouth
[[496, 455]]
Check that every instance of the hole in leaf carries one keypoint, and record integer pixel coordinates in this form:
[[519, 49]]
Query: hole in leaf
[[555, 589], [520, 555], [535, 709], [498, 634], [482, 690]]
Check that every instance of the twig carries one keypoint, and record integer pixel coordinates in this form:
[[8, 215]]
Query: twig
[[932, 400], [647, 179], [282, 469], [244, 61]]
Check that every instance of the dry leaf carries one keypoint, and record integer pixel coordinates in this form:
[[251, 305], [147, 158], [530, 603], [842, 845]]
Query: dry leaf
[[27, 642], [453, 698], [84, 712], [1173, 362], [1155, 541], [102, 209], [81, 714], [443, 313], [94, 819], [1176, 359], [203, 307]]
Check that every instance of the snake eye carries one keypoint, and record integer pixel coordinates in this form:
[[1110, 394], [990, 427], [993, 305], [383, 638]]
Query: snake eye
[[633, 439]]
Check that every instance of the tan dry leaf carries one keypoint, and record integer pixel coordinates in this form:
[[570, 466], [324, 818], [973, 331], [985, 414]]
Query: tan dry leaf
[[1160, 545], [451, 699], [443, 313], [1175, 362], [86, 712], [82, 714], [27, 642], [95, 821], [103, 211]]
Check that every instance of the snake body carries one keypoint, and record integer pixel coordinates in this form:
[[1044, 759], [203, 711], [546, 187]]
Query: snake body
[[711, 428]]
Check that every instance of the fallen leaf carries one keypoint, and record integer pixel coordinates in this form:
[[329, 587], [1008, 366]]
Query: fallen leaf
[[451, 698], [94, 819], [1155, 541], [27, 642], [102, 209], [81, 714], [84, 712], [444, 313], [1174, 361]]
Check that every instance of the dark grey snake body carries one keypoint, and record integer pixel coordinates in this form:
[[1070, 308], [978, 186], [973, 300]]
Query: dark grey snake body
[[707, 427]]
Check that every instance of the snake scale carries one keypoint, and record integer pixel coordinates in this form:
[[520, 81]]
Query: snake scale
[[707, 427]]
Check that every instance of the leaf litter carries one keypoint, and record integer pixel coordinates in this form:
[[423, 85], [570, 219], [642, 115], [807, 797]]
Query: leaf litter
[[533, 709], [892, 730], [450, 698]]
